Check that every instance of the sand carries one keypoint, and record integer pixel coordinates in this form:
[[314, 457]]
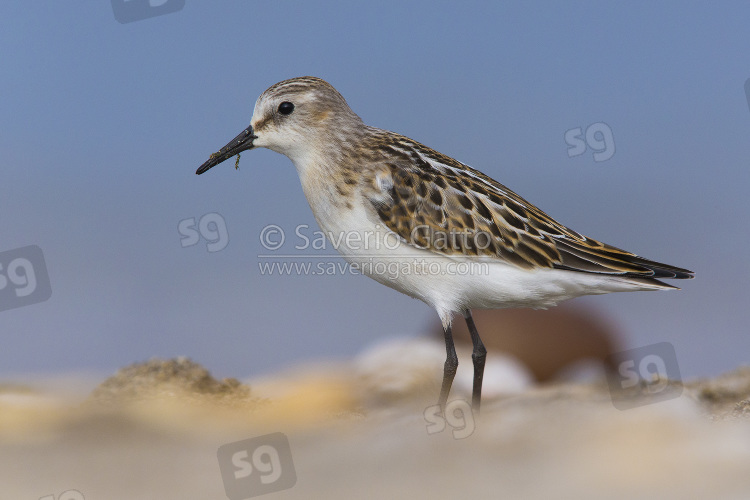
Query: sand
[[166, 429]]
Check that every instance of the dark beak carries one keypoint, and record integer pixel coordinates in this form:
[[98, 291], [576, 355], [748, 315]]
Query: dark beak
[[242, 142]]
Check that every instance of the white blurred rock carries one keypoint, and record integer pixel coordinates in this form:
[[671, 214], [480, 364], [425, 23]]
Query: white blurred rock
[[405, 368], [503, 375]]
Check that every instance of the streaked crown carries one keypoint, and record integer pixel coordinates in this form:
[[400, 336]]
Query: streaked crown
[[293, 116]]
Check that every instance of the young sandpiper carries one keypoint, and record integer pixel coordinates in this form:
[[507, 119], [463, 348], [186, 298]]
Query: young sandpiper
[[427, 225]]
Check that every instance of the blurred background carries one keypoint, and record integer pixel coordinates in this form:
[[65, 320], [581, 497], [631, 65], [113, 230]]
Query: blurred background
[[630, 124]]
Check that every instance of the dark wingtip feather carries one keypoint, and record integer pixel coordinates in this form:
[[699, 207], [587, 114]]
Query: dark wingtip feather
[[660, 270], [651, 270], [682, 274]]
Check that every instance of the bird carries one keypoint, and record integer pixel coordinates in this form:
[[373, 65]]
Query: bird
[[428, 225]]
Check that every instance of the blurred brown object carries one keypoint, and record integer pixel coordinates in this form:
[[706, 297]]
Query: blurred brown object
[[546, 341]]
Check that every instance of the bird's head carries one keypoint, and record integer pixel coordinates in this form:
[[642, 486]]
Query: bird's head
[[296, 118]]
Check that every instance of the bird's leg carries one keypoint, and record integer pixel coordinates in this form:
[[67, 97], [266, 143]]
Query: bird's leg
[[449, 369], [478, 356]]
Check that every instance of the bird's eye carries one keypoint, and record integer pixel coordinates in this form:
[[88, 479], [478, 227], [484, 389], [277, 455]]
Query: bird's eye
[[286, 108]]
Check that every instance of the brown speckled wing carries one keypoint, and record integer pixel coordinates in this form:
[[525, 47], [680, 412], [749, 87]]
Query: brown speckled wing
[[435, 202]]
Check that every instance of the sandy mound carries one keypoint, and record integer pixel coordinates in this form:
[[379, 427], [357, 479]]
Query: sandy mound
[[178, 379]]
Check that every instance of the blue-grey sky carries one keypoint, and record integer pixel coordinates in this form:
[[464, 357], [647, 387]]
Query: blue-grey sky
[[105, 123]]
